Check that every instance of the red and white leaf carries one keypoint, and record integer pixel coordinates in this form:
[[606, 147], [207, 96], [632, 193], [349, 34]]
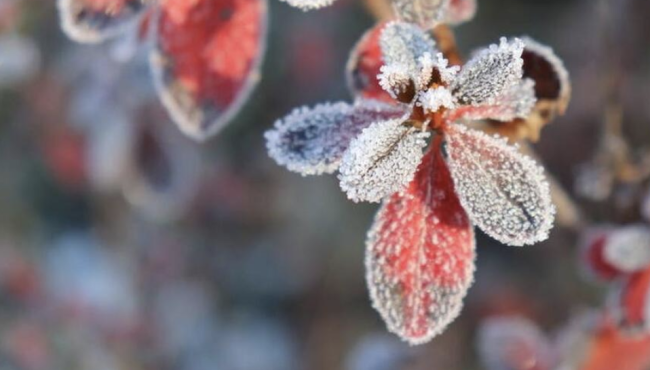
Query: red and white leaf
[[503, 190], [363, 67], [311, 141], [514, 343], [420, 254], [628, 248], [206, 59], [592, 251], [97, 20], [611, 253]]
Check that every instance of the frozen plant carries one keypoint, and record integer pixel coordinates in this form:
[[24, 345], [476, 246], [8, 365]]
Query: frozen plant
[[621, 255], [616, 336], [205, 57], [611, 252], [420, 250], [590, 341]]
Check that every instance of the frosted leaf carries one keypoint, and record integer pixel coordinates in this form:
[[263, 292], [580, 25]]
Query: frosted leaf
[[311, 141], [394, 79], [513, 343], [434, 99], [403, 45], [504, 191], [628, 248], [630, 302], [516, 102], [425, 13], [490, 73], [309, 4], [206, 60], [381, 161], [97, 20], [460, 11], [420, 254], [548, 71], [363, 66]]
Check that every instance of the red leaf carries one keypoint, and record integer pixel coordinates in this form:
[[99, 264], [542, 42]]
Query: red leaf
[[633, 301], [96, 20], [593, 255], [420, 254], [363, 67], [207, 58], [610, 349]]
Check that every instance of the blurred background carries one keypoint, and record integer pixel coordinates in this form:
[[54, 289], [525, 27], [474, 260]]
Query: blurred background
[[125, 245]]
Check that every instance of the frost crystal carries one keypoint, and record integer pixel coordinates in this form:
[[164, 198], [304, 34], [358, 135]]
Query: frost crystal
[[516, 102], [447, 73], [489, 73], [424, 13], [311, 141], [309, 4], [628, 249], [434, 99], [420, 254], [394, 79], [381, 161], [504, 191], [514, 343], [95, 21], [403, 45]]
